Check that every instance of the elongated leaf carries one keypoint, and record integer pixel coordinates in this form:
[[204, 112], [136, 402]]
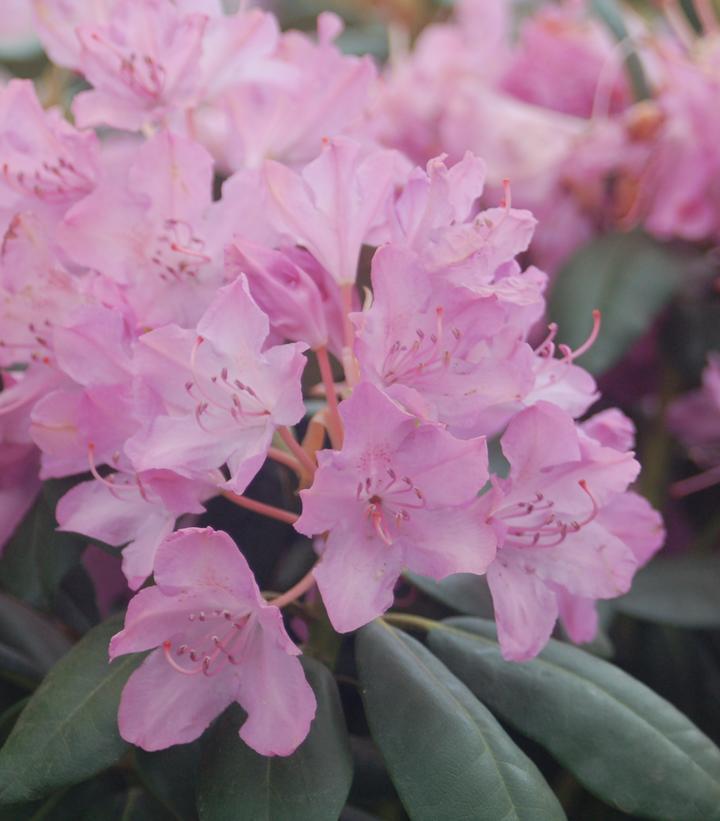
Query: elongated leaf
[[37, 557], [621, 740], [171, 776], [310, 785], [447, 755], [683, 591], [30, 636], [462, 592], [629, 278], [68, 731]]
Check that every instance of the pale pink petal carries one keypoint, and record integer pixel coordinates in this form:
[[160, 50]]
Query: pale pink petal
[[525, 610], [203, 558], [160, 707], [273, 689], [356, 575]]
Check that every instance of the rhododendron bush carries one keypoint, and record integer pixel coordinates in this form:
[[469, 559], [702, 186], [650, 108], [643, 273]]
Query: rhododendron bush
[[326, 383]]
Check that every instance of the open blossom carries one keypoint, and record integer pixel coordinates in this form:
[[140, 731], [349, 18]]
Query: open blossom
[[396, 496], [46, 163], [215, 395], [550, 516], [336, 204], [216, 642], [433, 346], [317, 92], [146, 227], [135, 512], [143, 62]]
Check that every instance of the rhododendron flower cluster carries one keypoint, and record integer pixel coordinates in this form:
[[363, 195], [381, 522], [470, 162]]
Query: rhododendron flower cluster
[[162, 343], [552, 108]]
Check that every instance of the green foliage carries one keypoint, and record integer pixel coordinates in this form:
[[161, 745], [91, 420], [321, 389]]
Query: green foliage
[[310, 785], [29, 643], [621, 740], [38, 557], [629, 278], [448, 757], [68, 730], [681, 591]]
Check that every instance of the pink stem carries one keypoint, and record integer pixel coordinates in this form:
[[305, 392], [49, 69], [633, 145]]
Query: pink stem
[[695, 483], [261, 508], [335, 428], [286, 459], [297, 590], [292, 443]]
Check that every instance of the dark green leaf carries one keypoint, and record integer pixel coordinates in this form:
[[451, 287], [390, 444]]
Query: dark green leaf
[[33, 640], [619, 738], [68, 731], [171, 776], [629, 278], [682, 591], [37, 557], [310, 785], [462, 592], [447, 755]]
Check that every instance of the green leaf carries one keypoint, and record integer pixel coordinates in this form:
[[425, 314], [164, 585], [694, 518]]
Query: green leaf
[[447, 755], [28, 640], [619, 738], [171, 776], [68, 731], [37, 557], [310, 785], [681, 591], [463, 592], [629, 278]]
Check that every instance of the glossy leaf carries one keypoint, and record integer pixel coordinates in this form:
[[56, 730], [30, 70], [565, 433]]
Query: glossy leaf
[[463, 592], [171, 776], [629, 278], [447, 755], [68, 730], [310, 785], [680, 591], [29, 639], [621, 740], [37, 557]]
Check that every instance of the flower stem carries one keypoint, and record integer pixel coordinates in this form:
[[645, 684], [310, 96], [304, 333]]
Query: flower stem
[[335, 428], [286, 459], [348, 357], [287, 436], [297, 590], [260, 507]]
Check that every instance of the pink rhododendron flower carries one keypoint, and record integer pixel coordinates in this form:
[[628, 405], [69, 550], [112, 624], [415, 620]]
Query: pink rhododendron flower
[[45, 161], [301, 299], [220, 395], [216, 642], [135, 512], [695, 417], [397, 495], [434, 346], [143, 63], [336, 203], [628, 516], [548, 519], [317, 92]]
